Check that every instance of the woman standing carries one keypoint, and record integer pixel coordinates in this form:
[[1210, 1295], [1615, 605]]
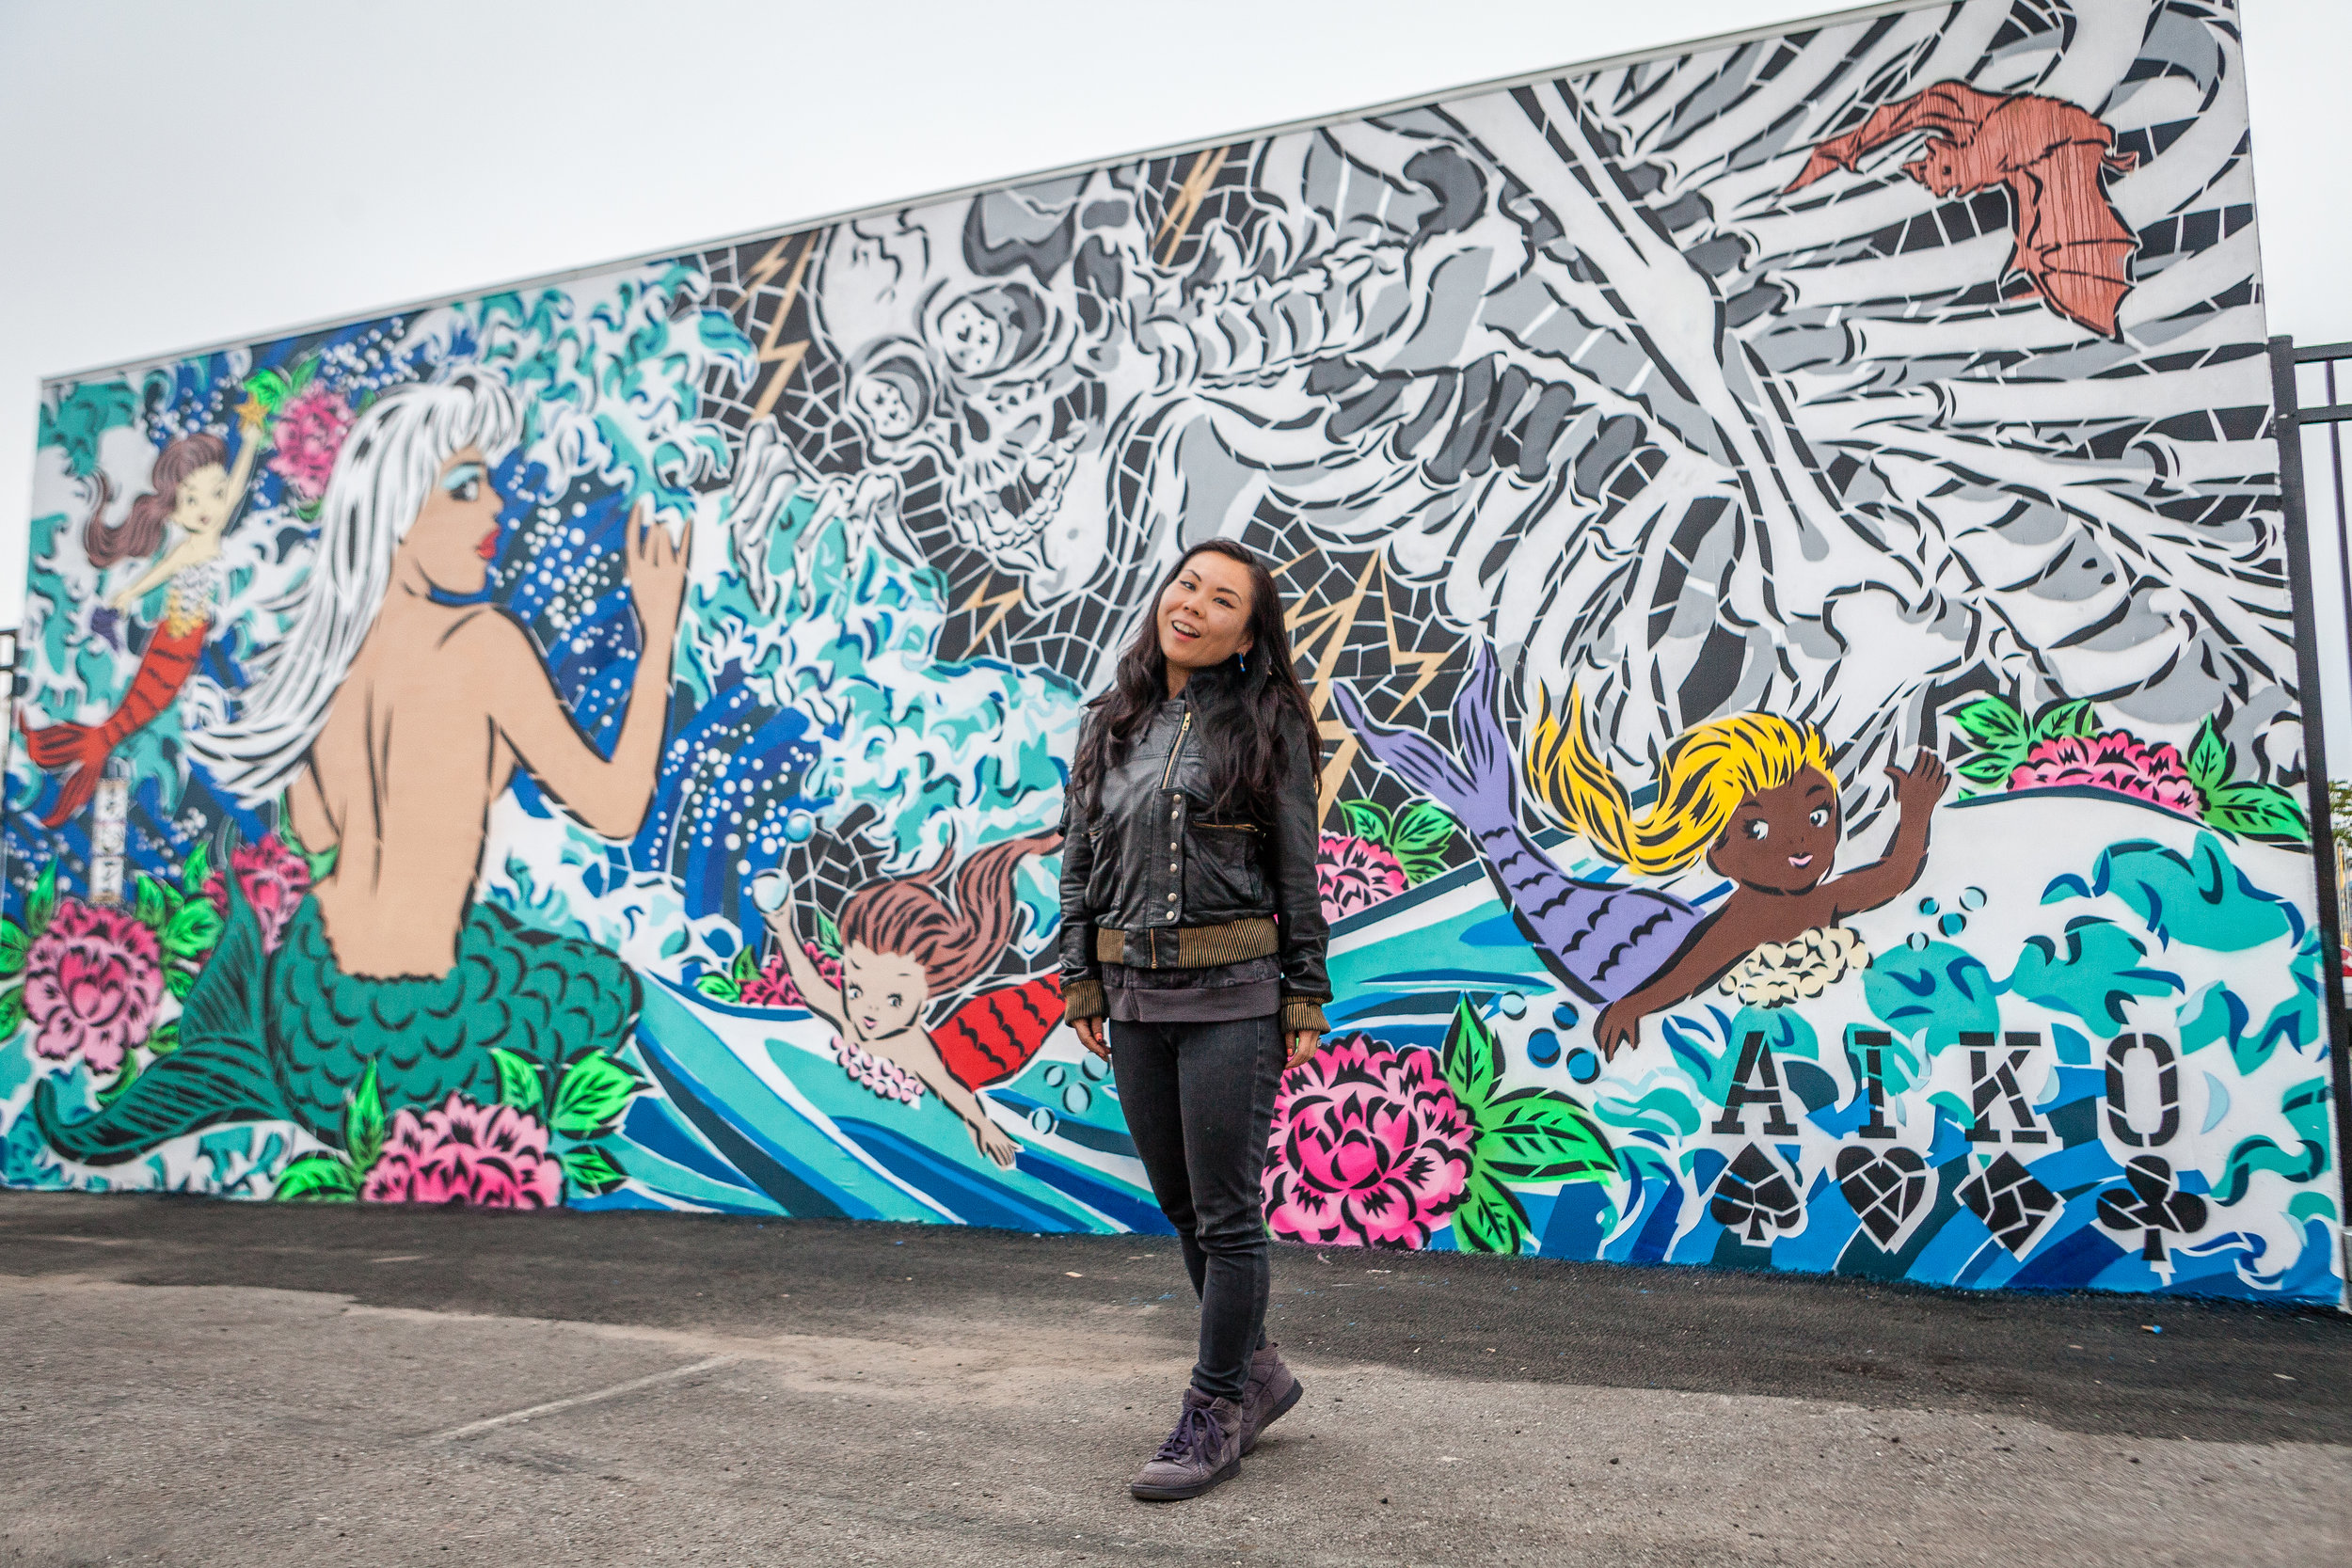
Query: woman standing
[[1191, 922]]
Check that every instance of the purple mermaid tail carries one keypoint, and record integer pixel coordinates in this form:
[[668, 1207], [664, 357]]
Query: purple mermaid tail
[[1602, 940]]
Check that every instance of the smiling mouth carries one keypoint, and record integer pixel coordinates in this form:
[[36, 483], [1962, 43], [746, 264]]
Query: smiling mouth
[[489, 549], [1799, 862], [1182, 630]]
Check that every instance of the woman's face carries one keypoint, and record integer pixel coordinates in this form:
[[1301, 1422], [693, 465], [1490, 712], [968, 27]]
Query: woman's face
[[200, 504], [457, 535], [1782, 840], [884, 991], [1204, 613]]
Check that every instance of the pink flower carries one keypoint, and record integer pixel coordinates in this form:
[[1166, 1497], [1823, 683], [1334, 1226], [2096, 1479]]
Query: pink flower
[[1368, 1147], [310, 432], [490, 1156], [2114, 760], [1354, 874], [92, 979], [772, 985], [274, 880]]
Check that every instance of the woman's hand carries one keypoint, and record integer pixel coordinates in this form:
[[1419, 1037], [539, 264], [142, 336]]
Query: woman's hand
[[657, 572], [1920, 786], [122, 599], [1090, 1033], [990, 1140], [1303, 1044]]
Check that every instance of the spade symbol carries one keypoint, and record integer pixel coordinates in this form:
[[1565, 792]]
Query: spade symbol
[[1884, 1188], [1753, 1193], [2150, 1201], [2012, 1201]]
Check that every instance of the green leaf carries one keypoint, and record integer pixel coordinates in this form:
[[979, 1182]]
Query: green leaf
[[42, 902], [12, 946], [2210, 760], [828, 935], [194, 874], [154, 903], [363, 1122], [11, 1010], [1422, 828], [2258, 811], [588, 1170], [1991, 720], [1420, 868], [745, 968], [2064, 720], [1490, 1218], [1471, 1061], [122, 1081], [520, 1083], [718, 987], [1366, 819], [165, 1040], [594, 1091], [1542, 1135], [320, 1178], [178, 981], [1986, 769], [192, 929]]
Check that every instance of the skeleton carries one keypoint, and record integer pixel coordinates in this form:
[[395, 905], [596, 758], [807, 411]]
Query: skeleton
[[1573, 357]]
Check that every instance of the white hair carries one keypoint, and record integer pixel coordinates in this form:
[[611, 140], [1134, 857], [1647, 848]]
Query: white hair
[[383, 477]]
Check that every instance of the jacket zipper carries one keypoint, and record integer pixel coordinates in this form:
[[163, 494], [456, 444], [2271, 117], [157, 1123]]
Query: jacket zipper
[[1176, 751]]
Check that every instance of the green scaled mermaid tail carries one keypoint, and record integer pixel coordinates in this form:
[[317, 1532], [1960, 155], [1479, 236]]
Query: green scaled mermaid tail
[[220, 1072], [545, 997], [289, 1035]]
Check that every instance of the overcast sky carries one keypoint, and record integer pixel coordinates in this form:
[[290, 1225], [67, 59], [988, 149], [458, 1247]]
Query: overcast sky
[[176, 175]]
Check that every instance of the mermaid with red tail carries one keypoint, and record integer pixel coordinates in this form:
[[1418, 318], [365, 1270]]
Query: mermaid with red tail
[[192, 488]]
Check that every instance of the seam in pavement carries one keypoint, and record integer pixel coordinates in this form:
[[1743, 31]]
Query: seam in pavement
[[491, 1422]]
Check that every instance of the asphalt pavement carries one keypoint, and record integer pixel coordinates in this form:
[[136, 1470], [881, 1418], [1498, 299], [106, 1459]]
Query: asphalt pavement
[[191, 1382]]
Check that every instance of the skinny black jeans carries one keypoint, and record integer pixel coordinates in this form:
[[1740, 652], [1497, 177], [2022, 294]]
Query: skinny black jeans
[[1199, 1100]]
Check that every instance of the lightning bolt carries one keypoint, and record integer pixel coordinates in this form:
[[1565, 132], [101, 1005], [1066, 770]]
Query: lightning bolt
[[1188, 199], [785, 356], [1331, 624], [1002, 604]]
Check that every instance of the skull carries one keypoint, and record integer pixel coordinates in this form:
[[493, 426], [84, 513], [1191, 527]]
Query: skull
[[994, 333]]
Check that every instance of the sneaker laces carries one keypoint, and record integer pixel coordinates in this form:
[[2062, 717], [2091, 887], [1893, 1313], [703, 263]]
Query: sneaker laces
[[1196, 1434]]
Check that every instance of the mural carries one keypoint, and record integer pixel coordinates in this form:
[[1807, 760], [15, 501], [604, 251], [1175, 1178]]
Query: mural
[[1784, 542]]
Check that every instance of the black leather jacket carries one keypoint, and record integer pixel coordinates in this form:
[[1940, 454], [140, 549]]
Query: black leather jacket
[[1153, 879]]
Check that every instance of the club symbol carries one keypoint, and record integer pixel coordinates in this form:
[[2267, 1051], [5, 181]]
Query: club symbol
[[2150, 1201]]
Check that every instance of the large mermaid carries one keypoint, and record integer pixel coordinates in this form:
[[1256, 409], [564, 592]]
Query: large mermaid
[[391, 716]]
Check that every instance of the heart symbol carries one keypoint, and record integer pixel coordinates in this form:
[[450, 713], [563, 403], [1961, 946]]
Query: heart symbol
[[1885, 1188]]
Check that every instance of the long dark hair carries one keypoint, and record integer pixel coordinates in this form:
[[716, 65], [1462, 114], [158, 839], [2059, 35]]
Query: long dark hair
[[142, 532], [1242, 707]]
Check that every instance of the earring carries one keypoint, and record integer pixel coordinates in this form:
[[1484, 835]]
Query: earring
[[1245, 662]]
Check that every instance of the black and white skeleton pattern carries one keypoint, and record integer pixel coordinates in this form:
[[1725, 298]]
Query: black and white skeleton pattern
[[1572, 363]]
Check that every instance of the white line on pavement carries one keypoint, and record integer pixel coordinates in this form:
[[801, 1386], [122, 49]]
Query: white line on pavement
[[489, 1422]]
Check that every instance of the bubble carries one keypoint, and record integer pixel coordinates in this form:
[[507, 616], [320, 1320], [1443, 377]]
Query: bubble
[[1043, 1119], [1056, 1075], [1076, 1097], [1972, 899], [1094, 1068], [799, 826], [1543, 1048], [1512, 1004], [1917, 940], [1565, 1015], [1928, 906], [1584, 1065], [1952, 925]]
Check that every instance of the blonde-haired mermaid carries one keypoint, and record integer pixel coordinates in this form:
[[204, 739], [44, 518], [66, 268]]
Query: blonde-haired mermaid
[[1709, 770]]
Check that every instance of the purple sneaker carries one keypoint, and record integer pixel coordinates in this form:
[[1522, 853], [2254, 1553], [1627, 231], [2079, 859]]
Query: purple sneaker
[[1204, 1450], [1271, 1393]]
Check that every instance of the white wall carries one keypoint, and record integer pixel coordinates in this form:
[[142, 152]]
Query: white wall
[[174, 174]]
